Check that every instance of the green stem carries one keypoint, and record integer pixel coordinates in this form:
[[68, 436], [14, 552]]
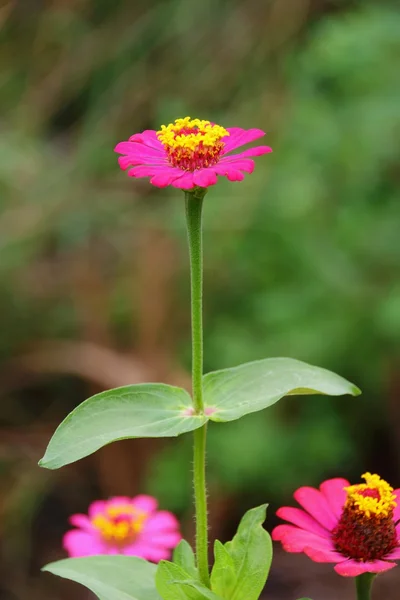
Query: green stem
[[194, 207], [200, 497], [194, 204], [363, 585]]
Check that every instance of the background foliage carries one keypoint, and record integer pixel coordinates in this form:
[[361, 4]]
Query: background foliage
[[302, 259]]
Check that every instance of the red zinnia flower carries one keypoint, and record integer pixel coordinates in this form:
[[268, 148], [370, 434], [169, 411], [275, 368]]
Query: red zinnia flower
[[189, 153], [355, 526]]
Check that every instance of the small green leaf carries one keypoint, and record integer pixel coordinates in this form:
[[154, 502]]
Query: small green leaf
[[251, 551], [184, 557], [223, 574], [110, 577], [174, 583], [232, 393], [145, 410]]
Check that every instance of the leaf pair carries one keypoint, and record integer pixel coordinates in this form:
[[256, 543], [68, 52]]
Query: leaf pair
[[240, 569], [159, 410]]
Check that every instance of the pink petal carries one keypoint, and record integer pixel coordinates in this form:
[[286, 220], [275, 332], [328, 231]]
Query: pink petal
[[167, 539], [353, 568], [136, 149], [302, 520], [131, 160], [294, 539], [127, 161], [161, 521], [97, 507], [135, 549], [184, 182], [257, 151], [324, 556], [333, 490], [117, 501], [317, 505], [239, 137], [81, 543], [81, 521], [233, 175], [230, 162], [147, 504], [146, 134], [146, 551], [148, 138], [124, 162], [394, 554], [165, 177], [204, 177], [280, 530], [228, 171], [150, 170]]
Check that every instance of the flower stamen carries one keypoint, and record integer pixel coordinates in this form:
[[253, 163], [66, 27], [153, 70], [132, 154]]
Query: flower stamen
[[366, 530], [192, 144], [120, 525]]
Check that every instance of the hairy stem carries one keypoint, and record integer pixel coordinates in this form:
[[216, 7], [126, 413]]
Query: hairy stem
[[194, 204], [200, 495], [194, 207]]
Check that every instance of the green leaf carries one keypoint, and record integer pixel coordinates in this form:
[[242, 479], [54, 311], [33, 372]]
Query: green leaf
[[232, 393], [201, 591], [184, 557], [223, 574], [145, 410], [174, 583], [251, 551], [110, 577]]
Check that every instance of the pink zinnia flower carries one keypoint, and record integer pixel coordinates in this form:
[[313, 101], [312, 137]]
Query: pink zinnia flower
[[123, 525], [355, 526], [189, 153]]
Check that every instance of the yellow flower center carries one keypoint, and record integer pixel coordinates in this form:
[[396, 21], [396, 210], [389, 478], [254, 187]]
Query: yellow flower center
[[374, 497], [120, 525], [192, 143]]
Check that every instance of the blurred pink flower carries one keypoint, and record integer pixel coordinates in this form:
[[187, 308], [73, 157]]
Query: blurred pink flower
[[355, 526], [189, 153], [122, 525]]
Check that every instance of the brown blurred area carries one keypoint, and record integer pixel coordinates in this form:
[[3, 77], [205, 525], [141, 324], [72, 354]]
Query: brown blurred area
[[301, 259]]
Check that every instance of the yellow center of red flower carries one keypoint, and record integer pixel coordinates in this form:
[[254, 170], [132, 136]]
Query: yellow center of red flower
[[120, 525], [192, 144], [366, 530]]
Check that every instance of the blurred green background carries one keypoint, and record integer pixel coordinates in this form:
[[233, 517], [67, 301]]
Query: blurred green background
[[301, 259]]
